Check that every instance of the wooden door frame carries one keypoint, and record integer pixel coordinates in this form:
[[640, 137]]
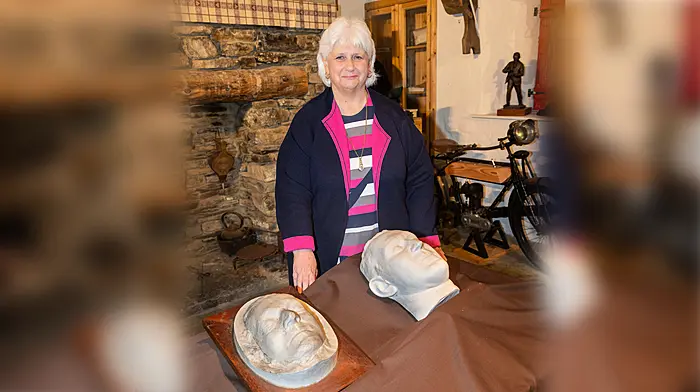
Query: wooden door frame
[[401, 11], [430, 122]]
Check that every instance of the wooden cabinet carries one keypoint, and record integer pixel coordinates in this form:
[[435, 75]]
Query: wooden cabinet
[[403, 32], [546, 50]]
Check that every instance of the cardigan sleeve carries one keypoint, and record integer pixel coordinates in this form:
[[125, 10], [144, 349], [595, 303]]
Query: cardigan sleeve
[[420, 191], [293, 192]]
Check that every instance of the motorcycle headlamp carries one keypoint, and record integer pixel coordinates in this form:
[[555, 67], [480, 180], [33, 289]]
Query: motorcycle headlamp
[[523, 132]]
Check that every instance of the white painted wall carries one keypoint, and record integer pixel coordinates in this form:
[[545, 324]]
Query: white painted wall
[[352, 8], [474, 84], [469, 84]]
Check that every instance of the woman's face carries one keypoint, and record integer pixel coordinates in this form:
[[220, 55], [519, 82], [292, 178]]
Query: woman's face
[[347, 66]]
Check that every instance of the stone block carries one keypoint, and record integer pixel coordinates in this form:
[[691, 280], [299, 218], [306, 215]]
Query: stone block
[[263, 116], [212, 226], [308, 42], [195, 172], [254, 186], [195, 181], [227, 35], [237, 48], [264, 223], [196, 164], [212, 201], [266, 156], [269, 103], [247, 62], [217, 63], [298, 58], [192, 29], [270, 57], [314, 78], [284, 115], [267, 139], [261, 172], [199, 48], [279, 41], [291, 102], [268, 237], [264, 202]]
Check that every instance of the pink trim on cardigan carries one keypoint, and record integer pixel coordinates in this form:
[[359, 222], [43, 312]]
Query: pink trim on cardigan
[[380, 143], [335, 126], [431, 240], [299, 242]]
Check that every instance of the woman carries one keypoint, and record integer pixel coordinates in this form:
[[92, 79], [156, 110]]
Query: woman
[[352, 163]]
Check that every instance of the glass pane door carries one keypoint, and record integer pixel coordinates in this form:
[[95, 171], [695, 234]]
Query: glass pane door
[[416, 59], [383, 34]]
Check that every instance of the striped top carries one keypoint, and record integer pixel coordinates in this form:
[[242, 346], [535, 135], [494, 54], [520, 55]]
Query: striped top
[[362, 215]]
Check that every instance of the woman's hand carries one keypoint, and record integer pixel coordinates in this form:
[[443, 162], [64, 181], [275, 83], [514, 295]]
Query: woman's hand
[[304, 269]]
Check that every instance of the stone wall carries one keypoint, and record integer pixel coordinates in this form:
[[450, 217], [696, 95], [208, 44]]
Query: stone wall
[[253, 132]]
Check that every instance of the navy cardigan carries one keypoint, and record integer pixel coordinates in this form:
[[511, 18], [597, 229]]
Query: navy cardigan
[[313, 178]]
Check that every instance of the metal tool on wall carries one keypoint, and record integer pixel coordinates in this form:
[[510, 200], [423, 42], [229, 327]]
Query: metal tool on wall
[[222, 162]]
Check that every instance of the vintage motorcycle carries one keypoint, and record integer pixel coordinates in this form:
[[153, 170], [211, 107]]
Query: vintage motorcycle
[[530, 205]]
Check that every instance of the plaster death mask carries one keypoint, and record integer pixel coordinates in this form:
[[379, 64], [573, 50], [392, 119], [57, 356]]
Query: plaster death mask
[[285, 341], [400, 266]]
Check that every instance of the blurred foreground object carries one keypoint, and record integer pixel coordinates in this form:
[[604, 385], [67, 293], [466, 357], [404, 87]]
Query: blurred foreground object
[[90, 198], [624, 283]]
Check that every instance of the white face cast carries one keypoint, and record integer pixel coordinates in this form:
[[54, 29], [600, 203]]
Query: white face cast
[[284, 329], [285, 341], [400, 266]]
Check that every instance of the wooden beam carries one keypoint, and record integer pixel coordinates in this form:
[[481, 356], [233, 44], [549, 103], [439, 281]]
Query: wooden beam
[[244, 85]]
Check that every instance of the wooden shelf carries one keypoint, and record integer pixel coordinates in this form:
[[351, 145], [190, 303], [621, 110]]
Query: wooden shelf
[[417, 47], [496, 117]]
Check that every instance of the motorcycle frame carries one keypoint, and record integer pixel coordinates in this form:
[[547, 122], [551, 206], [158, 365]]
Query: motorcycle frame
[[519, 174]]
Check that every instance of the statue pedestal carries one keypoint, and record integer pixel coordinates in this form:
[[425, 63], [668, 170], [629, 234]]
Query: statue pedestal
[[514, 111]]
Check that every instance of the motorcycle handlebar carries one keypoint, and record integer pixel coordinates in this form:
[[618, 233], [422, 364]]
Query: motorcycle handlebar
[[473, 147]]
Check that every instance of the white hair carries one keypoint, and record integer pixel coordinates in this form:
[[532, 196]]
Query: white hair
[[346, 31]]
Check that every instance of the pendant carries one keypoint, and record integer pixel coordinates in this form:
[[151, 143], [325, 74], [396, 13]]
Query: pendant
[[362, 167]]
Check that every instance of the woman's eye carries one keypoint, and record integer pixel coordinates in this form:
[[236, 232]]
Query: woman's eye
[[340, 58], [358, 57]]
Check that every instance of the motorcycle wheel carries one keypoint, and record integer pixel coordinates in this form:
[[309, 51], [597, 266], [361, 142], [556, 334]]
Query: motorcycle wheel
[[530, 220]]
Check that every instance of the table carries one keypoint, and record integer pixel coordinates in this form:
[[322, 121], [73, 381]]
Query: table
[[487, 338]]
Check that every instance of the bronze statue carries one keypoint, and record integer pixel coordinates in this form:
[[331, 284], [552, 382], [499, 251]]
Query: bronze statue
[[515, 70]]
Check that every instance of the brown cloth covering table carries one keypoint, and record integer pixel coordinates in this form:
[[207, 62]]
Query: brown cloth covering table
[[490, 337]]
